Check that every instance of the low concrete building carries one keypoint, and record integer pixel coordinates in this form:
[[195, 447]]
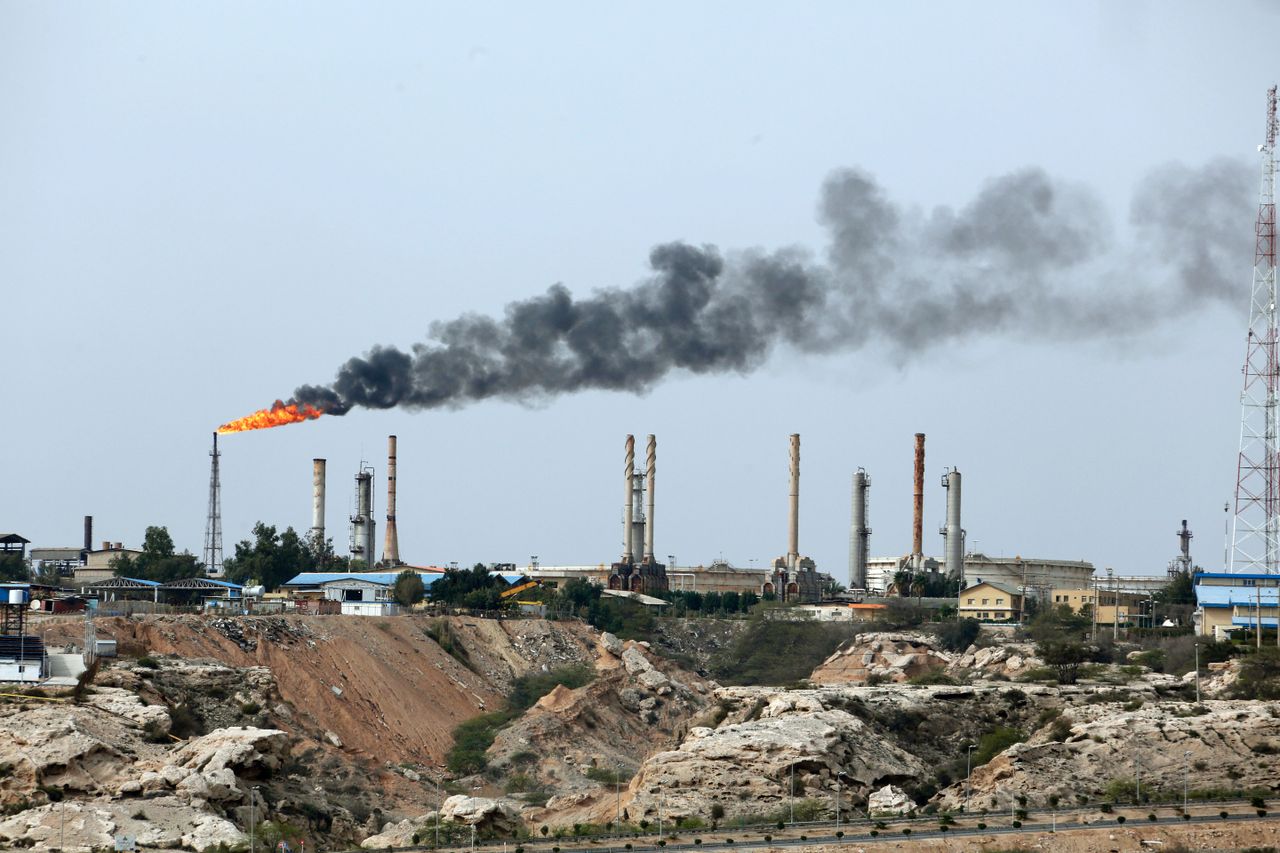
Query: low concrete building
[[1105, 605], [97, 564], [1229, 602], [720, 576], [989, 601]]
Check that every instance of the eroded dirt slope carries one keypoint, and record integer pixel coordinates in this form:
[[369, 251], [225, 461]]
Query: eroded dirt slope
[[383, 687]]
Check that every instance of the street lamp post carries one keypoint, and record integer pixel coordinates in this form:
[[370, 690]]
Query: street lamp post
[[1186, 756], [968, 759], [253, 795], [837, 802], [1197, 670]]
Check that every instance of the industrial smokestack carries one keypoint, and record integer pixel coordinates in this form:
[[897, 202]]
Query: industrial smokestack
[[317, 500], [88, 534], [628, 474], [391, 544], [917, 526], [362, 525], [793, 526], [859, 533], [651, 476], [953, 532]]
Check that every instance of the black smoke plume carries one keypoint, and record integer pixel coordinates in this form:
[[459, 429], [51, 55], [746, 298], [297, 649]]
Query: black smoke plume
[[1029, 257]]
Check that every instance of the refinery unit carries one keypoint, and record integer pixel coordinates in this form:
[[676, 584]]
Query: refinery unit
[[876, 575]]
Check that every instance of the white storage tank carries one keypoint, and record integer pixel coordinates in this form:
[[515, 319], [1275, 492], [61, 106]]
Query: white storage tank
[[17, 596]]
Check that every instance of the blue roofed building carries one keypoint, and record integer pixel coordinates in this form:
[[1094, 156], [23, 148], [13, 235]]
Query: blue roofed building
[[1227, 602]]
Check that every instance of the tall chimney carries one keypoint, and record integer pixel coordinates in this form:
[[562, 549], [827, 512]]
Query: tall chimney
[[317, 500], [859, 533], [362, 526], [628, 474], [917, 527], [953, 531], [652, 473], [391, 543], [88, 535], [793, 525]]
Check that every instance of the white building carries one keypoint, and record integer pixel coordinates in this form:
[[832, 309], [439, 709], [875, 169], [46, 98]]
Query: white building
[[1037, 575]]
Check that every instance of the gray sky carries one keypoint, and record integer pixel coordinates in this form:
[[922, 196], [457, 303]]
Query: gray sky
[[203, 206]]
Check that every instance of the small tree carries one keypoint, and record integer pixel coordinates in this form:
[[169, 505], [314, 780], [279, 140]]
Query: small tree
[[409, 589]]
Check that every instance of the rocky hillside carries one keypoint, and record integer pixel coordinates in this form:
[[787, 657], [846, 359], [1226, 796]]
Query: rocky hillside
[[1110, 748], [380, 689], [573, 742]]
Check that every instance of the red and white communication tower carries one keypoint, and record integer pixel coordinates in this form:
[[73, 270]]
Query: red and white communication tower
[[1256, 532]]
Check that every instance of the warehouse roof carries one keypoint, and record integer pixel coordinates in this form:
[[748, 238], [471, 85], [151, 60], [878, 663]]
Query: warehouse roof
[[1230, 596]]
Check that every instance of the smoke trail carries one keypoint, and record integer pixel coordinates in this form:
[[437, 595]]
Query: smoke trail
[[1029, 256]]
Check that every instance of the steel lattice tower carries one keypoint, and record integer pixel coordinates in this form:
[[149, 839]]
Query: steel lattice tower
[[1256, 530], [213, 523]]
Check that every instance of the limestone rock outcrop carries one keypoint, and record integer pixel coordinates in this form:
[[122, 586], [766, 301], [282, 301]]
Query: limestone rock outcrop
[[885, 656], [747, 766], [163, 822], [1230, 746]]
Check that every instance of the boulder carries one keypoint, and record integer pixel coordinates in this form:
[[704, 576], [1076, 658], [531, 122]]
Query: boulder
[[890, 800], [241, 749], [609, 644], [500, 816]]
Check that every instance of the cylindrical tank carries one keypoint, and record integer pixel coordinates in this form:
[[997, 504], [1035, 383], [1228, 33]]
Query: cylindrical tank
[[17, 596]]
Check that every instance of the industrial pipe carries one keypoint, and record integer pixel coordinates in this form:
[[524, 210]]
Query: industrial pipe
[[391, 541], [652, 473], [793, 526], [628, 474], [917, 527], [88, 535]]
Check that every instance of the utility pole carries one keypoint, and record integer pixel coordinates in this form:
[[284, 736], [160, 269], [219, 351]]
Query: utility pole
[[1257, 622], [791, 794], [1137, 779]]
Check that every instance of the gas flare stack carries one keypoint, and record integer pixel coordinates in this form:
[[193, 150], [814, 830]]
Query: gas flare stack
[[794, 578], [645, 575]]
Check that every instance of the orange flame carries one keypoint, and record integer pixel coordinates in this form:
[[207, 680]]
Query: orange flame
[[278, 415]]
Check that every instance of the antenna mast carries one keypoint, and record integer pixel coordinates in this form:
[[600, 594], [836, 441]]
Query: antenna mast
[[213, 523], [1256, 529]]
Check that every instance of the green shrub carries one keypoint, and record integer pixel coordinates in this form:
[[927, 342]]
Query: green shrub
[[995, 742], [777, 651], [1119, 818], [149, 662], [248, 709]]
